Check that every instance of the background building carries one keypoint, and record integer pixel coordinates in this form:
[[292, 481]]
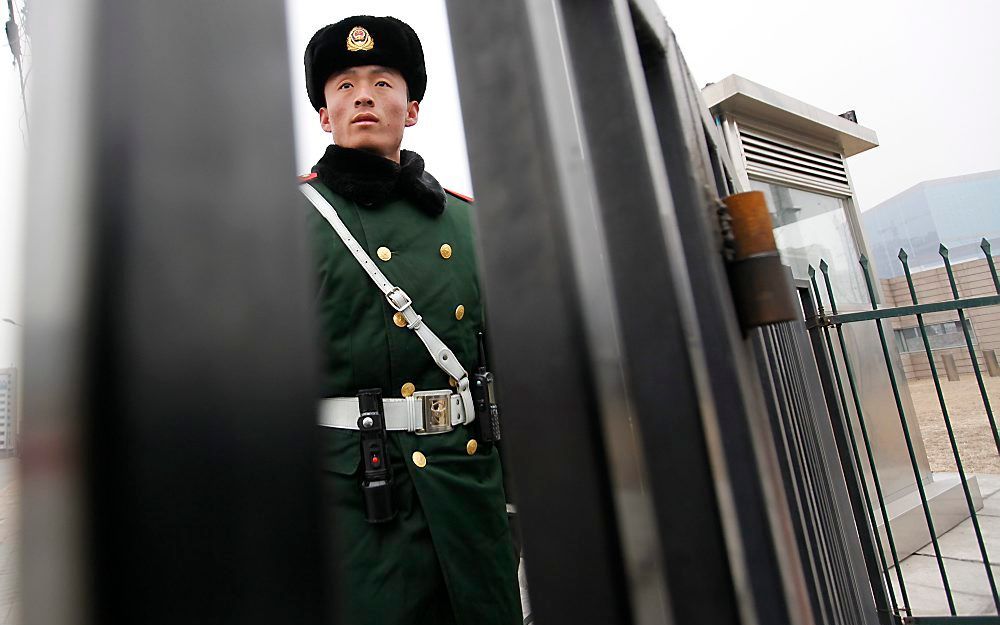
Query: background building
[[944, 330], [957, 212], [8, 410]]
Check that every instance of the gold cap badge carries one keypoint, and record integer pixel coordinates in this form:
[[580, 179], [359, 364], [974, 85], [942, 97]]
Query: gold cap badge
[[359, 39]]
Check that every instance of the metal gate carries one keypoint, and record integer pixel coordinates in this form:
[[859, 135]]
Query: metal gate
[[672, 468], [618, 197], [827, 330], [831, 549]]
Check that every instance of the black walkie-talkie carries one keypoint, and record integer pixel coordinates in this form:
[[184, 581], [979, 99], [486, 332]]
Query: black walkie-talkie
[[487, 411], [376, 481]]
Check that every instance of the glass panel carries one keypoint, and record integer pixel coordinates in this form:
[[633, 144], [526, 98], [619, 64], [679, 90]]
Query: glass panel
[[811, 226], [903, 337], [900, 341]]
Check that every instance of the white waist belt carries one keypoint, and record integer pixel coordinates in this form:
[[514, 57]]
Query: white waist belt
[[424, 412]]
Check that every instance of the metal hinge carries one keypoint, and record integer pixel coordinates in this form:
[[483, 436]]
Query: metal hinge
[[820, 320]]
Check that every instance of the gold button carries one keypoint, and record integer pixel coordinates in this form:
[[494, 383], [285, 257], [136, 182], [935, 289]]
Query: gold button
[[459, 312], [407, 389], [445, 251], [471, 446], [419, 459], [399, 319], [384, 253], [453, 382]]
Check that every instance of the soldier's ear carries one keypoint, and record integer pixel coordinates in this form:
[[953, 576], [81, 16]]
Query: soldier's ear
[[324, 120], [412, 112]]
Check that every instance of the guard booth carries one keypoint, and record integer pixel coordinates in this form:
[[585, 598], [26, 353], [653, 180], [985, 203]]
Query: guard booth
[[676, 464], [797, 155]]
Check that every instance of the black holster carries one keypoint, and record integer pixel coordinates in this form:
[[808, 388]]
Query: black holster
[[376, 480], [487, 411]]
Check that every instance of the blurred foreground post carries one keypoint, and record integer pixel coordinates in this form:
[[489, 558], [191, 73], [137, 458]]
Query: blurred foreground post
[[169, 465]]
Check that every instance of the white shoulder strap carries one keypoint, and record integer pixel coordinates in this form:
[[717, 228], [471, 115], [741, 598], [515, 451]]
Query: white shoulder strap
[[397, 298]]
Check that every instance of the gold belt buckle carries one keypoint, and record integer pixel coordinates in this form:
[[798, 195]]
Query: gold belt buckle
[[436, 411]]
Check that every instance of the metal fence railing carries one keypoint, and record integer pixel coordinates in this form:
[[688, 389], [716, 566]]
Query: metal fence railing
[[894, 596], [812, 470]]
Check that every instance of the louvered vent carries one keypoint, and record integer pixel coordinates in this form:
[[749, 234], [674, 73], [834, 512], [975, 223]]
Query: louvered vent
[[778, 160]]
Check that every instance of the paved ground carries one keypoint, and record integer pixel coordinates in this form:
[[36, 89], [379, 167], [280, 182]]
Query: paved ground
[[963, 563], [963, 560]]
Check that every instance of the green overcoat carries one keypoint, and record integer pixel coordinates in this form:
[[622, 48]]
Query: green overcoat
[[447, 557]]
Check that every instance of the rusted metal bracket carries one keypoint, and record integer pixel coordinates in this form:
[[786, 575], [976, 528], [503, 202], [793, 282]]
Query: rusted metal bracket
[[760, 284]]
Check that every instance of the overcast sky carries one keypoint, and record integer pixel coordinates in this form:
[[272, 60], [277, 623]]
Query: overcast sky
[[922, 75]]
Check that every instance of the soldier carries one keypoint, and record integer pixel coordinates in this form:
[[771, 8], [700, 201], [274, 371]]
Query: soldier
[[422, 534]]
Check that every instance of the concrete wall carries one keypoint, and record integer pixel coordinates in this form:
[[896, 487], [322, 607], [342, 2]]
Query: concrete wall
[[973, 278]]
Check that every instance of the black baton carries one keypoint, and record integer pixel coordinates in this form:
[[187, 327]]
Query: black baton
[[487, 411]]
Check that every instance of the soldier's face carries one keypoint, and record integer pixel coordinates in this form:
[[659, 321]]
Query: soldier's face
[[367, 109]]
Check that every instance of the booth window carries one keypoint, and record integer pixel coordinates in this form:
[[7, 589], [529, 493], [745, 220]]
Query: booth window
[[940, 335], [810, 227]]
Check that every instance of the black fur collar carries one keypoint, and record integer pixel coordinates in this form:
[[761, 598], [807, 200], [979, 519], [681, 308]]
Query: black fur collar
[[370, 180]]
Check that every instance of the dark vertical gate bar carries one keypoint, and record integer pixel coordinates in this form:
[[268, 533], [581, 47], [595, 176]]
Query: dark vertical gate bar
[[585, 493], [53, 568], [856, 400], [865, 268], [811, 486], [833, 521], [829, 520], [985, 246], [195, 374], [810, 491], [963, 321], [658, 321], [850, 460], [648, 282], [840, 539], [951, 433], [750, 455], [791, 467], [850, 563]]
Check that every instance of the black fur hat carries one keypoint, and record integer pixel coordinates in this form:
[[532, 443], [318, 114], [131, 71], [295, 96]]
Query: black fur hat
[[364, 40]]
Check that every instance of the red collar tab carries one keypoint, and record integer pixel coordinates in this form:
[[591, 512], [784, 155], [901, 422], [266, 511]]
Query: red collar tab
[[307, 177], [460, 196]]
